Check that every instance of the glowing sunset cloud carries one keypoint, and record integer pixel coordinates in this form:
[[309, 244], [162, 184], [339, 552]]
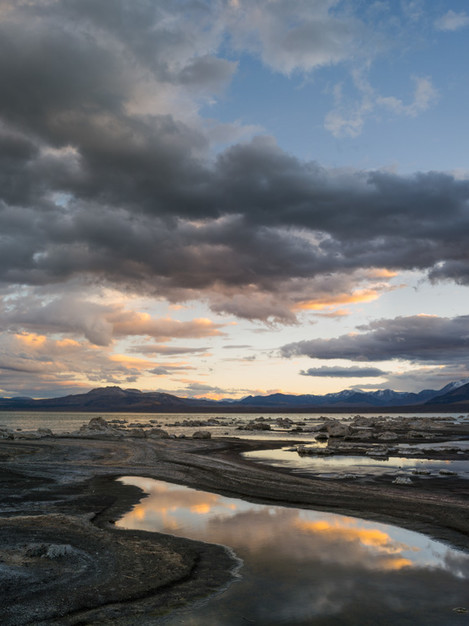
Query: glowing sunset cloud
[[366, 295], [31, 339]]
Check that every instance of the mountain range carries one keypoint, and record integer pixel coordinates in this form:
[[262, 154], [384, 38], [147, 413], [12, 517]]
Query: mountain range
[[452, 397]]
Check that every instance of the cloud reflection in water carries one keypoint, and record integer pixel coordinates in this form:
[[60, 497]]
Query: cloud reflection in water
[[299, 563]]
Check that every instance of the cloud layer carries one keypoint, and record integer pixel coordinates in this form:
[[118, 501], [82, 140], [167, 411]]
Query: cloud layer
[[108, 172], [111, 175], [419, 338]]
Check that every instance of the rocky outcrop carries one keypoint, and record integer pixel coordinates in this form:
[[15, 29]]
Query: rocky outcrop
[[99, 428], [202, 434], [157, 433]]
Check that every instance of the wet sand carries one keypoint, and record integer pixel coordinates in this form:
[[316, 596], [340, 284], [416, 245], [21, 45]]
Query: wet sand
[[62, 561]]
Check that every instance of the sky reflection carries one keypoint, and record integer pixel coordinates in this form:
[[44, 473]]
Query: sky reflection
[[301, 564], [338, 465]]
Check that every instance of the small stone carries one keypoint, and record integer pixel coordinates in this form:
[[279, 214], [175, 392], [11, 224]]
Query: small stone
[[402, 480]]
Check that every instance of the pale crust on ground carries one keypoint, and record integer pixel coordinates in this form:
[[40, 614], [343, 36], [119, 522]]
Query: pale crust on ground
[[58, 492]]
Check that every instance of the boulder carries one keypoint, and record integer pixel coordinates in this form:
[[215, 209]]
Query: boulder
[[202, 434], [338, 430], [322, 437], [98, 428], [157, 433], [44, 432], [6, 433], [96, 423], [136, 433]]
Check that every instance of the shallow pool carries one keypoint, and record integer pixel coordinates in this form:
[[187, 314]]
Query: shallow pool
[[303, 567], [339, 466]]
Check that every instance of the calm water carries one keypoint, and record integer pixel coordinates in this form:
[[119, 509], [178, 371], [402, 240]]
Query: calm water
[[340, 466], [303, 567], [173, 422]]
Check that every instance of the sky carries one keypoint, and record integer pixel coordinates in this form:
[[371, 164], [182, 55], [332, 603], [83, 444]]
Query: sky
[[217, 198]]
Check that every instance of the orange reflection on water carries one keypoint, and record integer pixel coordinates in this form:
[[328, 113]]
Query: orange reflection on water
[[366, 536], [201, 509], [297, 535], [344, 530]]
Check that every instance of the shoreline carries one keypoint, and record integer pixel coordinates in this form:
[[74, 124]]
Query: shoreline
[[62, 491]]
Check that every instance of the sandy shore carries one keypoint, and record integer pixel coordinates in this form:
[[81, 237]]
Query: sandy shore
[[62, 561]]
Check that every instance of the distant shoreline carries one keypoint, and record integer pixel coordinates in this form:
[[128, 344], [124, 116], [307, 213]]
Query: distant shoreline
[[242, 409]]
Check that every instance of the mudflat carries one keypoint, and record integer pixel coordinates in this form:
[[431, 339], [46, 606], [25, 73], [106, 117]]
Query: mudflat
[[63, 561]]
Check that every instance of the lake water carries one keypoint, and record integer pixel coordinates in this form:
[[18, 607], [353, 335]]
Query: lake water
[[303, 567], [174, 422]]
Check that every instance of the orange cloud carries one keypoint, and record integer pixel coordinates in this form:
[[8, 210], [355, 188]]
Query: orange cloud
[[31, 340], [327, 302], [128, 323], [67, 343], [131, 361]]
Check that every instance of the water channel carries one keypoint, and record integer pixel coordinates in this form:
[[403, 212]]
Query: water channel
[[303, 567], [337, 466]]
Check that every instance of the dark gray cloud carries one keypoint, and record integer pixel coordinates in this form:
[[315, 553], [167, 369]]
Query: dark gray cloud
[[343, 372], [106, 171], [418, 338]]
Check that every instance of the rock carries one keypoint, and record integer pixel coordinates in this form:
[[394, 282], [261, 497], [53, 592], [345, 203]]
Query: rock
[[322, 437], [302, 450], [49, 551], [338, 430], [157, 433], [96, 423], [57, 551], [6, 433], [402, 480], [136, 433], [445, 472], [257, 425], [44, 432], [202, 434], [99, 428], [387, 435]]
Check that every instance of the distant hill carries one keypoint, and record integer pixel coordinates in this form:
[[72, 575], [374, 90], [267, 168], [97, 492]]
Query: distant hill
[[452, 397], [346, 398], [107, 399], [456, 398]]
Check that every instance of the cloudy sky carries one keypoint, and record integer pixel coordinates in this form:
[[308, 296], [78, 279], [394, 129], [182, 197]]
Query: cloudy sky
[[223, 197]]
